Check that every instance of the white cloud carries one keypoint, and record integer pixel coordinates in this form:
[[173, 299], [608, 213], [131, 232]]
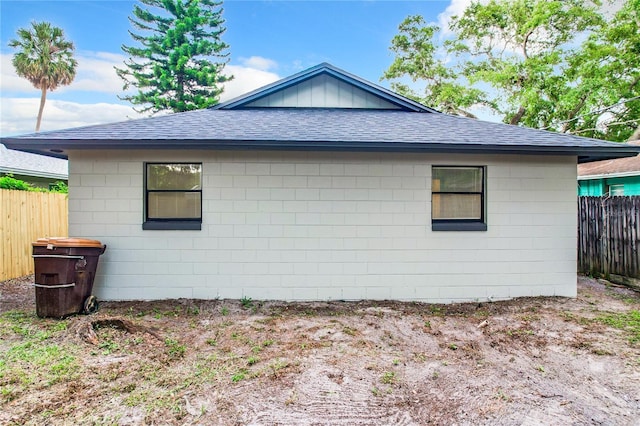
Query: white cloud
[[18, 115], [9, 80], [259, 63], [455, 8], [96, 74], [245, 80]]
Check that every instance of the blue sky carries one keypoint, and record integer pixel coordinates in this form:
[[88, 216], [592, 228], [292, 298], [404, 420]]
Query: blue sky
[[268, 40]]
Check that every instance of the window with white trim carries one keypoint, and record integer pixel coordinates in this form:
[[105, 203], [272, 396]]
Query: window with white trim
[[173, 196], [458, 198], [616, 189]]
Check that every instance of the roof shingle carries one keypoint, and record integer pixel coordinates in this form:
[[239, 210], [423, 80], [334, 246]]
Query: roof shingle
[[308, 129], [615, 167], [23, 163], [233, 125]]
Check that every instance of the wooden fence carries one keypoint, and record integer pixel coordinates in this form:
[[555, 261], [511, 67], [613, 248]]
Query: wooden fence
[[609, 235], [24, 217]]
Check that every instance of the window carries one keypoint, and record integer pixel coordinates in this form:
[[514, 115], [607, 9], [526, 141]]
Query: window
[[173, 196], [458, 198], [616, 189]]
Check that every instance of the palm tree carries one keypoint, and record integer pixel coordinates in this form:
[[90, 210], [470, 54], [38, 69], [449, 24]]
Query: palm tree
[[44, 58]]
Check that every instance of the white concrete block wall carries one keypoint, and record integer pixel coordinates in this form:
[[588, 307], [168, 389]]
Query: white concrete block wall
[[329, 226]]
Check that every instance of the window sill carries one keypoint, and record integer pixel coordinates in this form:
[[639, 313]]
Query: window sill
[[172, 225], [458, 226]]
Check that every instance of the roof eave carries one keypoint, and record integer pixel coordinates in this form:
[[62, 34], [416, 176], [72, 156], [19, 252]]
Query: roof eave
[[34, 173], [610, 175], [59, 149]]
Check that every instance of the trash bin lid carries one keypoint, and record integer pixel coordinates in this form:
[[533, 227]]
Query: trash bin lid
[[67, 242]]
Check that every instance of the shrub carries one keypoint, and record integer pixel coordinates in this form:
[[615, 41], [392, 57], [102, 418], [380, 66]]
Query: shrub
[[9, 182], [59, 187]]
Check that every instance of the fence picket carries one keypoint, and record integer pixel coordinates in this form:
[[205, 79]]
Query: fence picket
[[609, 235], [25, 217]]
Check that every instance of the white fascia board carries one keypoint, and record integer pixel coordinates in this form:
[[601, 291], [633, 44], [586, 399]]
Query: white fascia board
[[35, 173], [609, 175]]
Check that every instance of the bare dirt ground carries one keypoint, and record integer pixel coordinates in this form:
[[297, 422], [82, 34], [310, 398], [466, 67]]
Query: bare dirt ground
[[535, 361]]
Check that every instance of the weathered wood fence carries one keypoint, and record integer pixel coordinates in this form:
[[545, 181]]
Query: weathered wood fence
[[609, 235], [24, 217]]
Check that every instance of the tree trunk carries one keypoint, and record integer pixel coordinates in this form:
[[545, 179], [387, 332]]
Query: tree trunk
[[516, 118], [43, 98]]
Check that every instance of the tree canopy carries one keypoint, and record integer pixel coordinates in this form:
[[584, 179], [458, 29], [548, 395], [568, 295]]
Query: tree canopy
[[45, 58], [171, 66], [551, 64]]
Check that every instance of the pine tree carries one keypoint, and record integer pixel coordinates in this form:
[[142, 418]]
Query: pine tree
[[171, 67]]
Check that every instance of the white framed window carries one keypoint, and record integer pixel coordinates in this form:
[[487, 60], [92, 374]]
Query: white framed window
[[616, 189]]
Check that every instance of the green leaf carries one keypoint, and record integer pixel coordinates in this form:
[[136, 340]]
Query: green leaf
[[170, 67], [549, 64]]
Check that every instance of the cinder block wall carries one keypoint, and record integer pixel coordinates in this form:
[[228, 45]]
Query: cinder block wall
[[328, 226]]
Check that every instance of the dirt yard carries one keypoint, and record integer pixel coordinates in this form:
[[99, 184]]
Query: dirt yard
[[537, 361]]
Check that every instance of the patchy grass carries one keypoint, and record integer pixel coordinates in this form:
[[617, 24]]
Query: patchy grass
[[191, 362], [175, 349], [388, 378], [628, 322], [30, 355]]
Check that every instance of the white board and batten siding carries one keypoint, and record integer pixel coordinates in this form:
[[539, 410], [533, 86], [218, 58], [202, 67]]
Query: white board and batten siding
[[323, 91], [328, 226]]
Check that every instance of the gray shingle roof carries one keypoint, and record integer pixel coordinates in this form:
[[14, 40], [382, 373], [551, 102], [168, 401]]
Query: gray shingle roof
[[23, 163], [234, 126], [319, 129]]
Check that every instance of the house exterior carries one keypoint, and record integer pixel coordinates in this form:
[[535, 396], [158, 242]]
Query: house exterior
[[38, 170], [323, 186], [620, 176]]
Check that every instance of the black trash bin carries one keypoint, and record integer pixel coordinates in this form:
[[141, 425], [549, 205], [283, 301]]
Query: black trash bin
[[64, 272]]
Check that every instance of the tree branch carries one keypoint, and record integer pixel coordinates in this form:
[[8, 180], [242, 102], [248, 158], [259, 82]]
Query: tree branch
[[572, 114], [524, 43], [518, 116]]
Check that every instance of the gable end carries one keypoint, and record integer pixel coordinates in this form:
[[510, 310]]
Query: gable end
[[324, 86], [322, 91]]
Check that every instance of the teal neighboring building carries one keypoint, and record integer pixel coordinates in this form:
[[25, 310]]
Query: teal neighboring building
[[628, 185], [610, 177]]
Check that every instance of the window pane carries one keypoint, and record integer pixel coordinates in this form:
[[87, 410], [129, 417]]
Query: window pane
[[174, 205], [457, 179], [616, 189], [456, 206], [174, 176]]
